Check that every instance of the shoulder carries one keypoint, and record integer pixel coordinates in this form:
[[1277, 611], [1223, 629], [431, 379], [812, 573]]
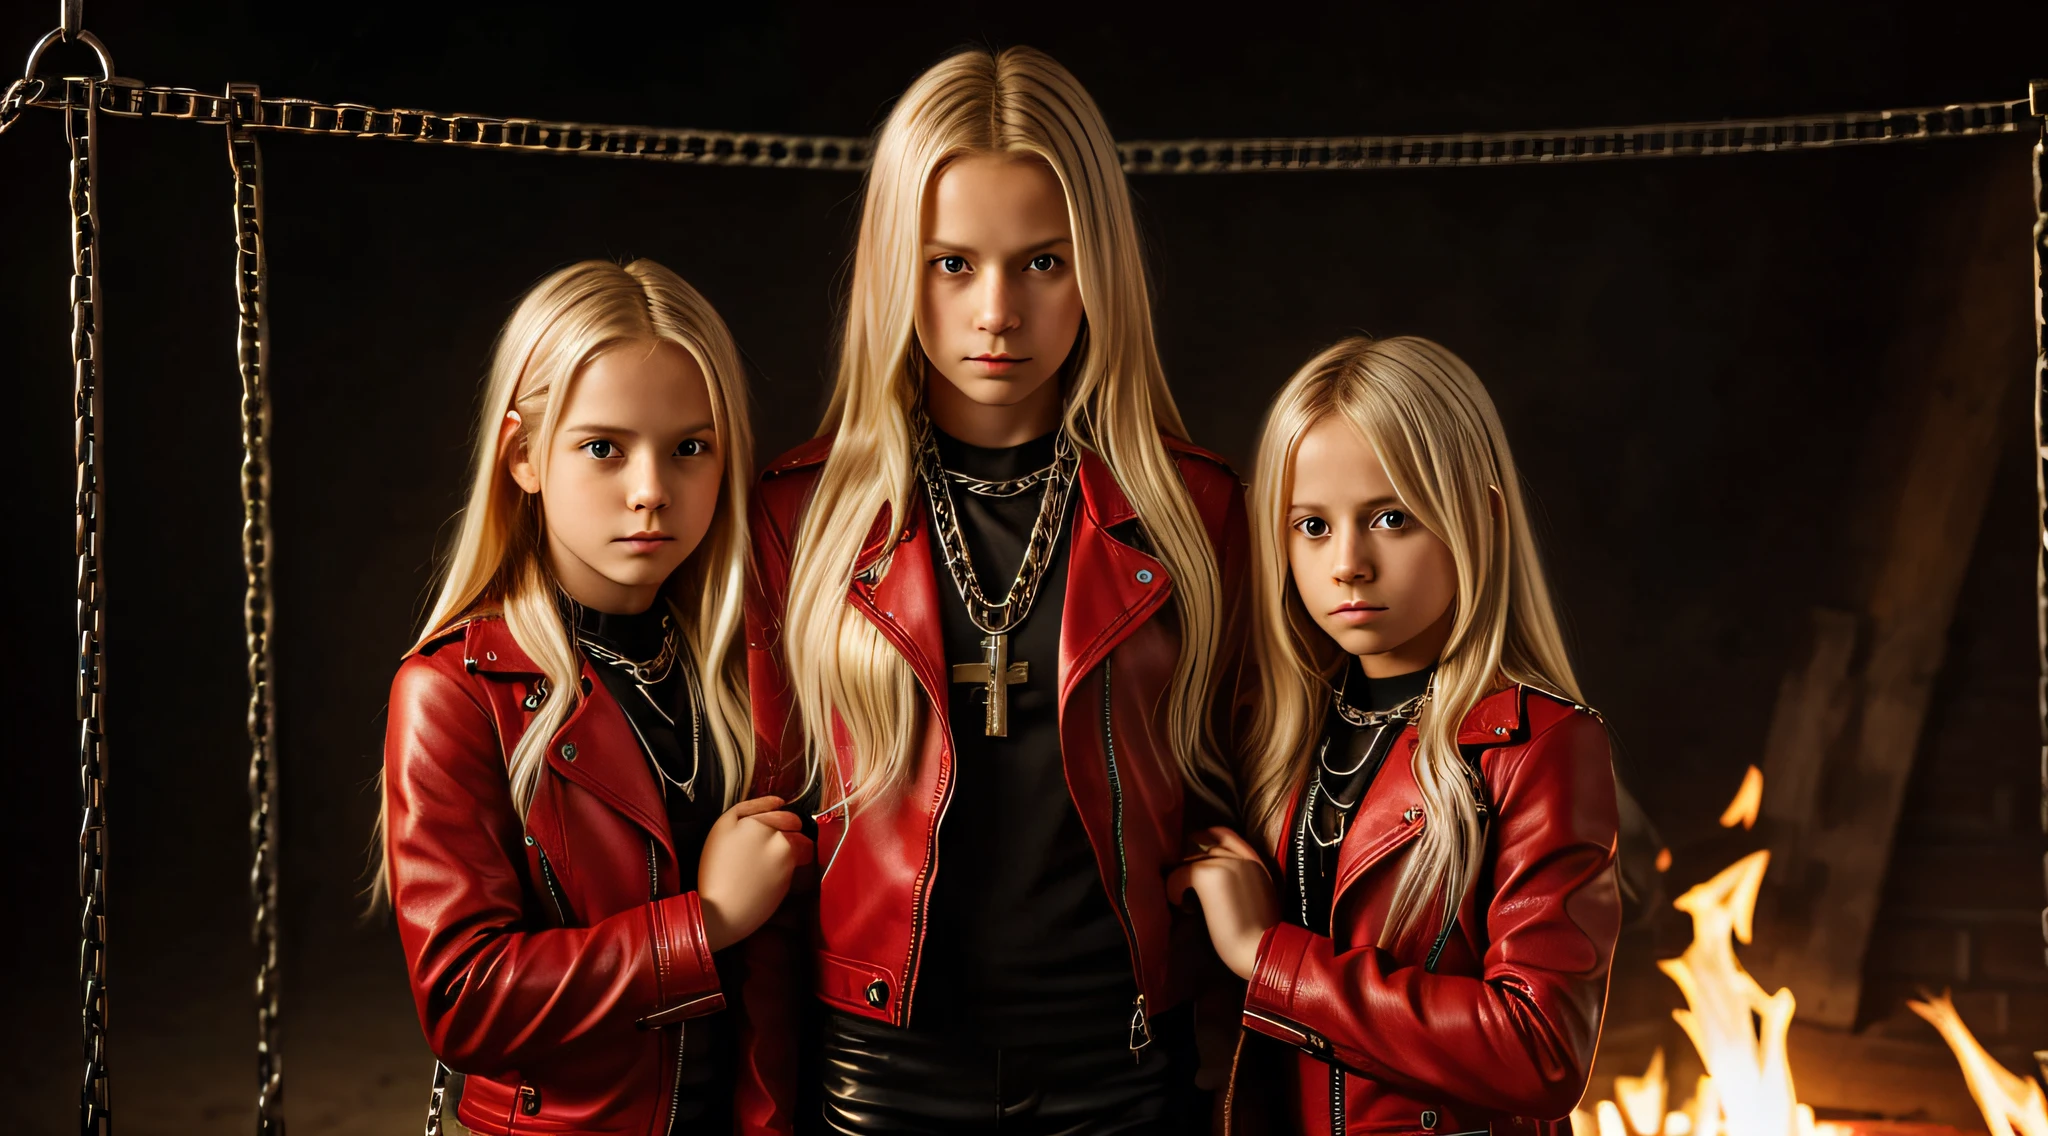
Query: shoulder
[[1522, 724], [1203, 469], [785, 484]]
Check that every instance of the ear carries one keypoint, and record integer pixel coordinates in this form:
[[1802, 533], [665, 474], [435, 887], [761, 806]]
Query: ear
[[513, 452]]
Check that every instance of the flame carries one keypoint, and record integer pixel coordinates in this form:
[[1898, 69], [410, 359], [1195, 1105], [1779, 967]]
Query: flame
[[2006, 1098], [1609, 1117], [1742, 810], [1642, 1098], [1752, 1079]]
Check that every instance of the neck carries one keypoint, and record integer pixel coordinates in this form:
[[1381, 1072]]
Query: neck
[[989, 425], [593, 589], [1422, 650]]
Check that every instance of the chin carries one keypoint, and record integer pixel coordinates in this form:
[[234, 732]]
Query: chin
[[1358, 641], [1007, 391]]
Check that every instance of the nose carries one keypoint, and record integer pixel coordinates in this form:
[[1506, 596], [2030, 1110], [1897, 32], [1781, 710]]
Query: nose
[[998, 309], [1351, 556], [645, 490]]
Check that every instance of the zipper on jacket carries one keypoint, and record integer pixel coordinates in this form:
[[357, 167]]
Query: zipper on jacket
[[919, 901], [675, 1088], [653, 875], [1336, 1100], [547, 875], [1141, 1027]]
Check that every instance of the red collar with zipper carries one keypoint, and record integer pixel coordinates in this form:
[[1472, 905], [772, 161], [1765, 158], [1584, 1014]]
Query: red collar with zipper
[[1500, 1035], [544, 957], [863, 926]]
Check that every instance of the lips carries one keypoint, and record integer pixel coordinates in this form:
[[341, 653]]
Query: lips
[[1357, 613], [644, 541], [996, 363]]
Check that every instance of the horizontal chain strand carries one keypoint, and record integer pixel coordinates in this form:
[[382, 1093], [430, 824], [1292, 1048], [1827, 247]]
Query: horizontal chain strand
[[1185, 156]]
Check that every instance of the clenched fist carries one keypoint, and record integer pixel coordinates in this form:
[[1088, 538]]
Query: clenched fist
[[745, 867]]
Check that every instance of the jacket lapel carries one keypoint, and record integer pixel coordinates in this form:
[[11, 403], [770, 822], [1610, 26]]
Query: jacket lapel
[[1111, 586], [1387, 819], [902, 600], [609, 761]]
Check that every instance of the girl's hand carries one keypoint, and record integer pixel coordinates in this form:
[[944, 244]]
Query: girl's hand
[[745, 867], [1238, 899]]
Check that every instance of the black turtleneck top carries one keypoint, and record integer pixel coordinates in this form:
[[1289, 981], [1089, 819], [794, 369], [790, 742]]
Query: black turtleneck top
[[1024, 947], [1346, 761], [692, 784]]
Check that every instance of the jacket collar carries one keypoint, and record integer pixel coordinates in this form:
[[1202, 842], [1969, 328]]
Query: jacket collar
[[609, 761], [1111, 586]]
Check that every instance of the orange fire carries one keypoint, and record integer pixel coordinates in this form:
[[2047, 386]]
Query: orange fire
[[2006, 1098], [1742, 810]]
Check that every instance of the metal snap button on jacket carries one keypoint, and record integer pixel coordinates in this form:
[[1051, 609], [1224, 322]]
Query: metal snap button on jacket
[[878, 993], [568, 751]]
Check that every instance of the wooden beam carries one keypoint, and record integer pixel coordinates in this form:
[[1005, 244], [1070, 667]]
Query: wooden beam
[[1848, 718]]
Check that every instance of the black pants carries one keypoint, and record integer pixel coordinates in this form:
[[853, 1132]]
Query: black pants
[[880, 1079]]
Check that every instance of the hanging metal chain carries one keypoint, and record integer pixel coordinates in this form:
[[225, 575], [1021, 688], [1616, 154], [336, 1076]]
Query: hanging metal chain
[[1516, 147], [252, 351], [1184, 156], [81, 132], [2040, 101]]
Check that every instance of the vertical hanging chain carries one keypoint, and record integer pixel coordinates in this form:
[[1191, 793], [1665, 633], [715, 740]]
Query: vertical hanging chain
[[2039, 100], [81, 132], [252, 344]]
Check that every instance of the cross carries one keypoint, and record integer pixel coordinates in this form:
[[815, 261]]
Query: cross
[[996, 673]]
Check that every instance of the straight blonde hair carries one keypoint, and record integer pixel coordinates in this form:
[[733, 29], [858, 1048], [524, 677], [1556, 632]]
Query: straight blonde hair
[[1435, 430], [498, 563], [1016, 102]]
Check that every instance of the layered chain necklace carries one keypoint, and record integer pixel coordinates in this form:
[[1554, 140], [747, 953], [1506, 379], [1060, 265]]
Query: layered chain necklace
[[995, 672], [647, 674], [1386, 726]]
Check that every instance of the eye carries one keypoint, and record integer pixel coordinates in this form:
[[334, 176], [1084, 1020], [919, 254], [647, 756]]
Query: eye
[[1390, 519], [1314, 528], [693, 447], [600, 448], [1043, 262], [951, 265]]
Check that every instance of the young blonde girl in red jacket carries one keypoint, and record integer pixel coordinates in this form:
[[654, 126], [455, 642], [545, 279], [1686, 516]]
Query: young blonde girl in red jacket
[[1426, 904]]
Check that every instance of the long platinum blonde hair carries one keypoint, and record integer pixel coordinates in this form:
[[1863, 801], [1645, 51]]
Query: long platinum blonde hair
[[498, 563], [1435, 431], [1012, 102]]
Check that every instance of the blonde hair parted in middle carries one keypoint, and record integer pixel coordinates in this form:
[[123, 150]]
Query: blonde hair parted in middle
[[1434, 428], [1016, 102]]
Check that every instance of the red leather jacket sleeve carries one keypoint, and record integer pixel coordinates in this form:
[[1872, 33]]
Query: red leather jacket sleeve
[[1519, 1037], [492, 991], [775, 959]]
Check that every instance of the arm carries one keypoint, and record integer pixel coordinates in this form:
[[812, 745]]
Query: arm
[[774, 959], [493, 993], [1520, 1037]]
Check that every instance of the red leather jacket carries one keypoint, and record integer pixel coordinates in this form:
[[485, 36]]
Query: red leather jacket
[[544, 958], [1502, 1035], [1118, 641]]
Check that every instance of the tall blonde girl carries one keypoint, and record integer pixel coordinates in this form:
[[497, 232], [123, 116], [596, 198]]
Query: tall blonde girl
[[993, 860], [1014, 102]]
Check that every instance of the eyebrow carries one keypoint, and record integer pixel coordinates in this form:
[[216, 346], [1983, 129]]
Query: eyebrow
[[1315, 507], [626, 431], [934, 243]]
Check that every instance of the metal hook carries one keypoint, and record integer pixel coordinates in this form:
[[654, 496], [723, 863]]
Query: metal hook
[[35, 55]]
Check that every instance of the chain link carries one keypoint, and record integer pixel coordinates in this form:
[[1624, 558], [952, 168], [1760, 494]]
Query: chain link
[[2040, 305], [1183, 156], [81, 132], [252, 342]]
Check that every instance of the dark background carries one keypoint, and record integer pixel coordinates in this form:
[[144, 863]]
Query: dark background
[[1694, 357]]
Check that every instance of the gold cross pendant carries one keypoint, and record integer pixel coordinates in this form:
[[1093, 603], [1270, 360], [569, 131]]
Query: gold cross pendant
[[996, 674]]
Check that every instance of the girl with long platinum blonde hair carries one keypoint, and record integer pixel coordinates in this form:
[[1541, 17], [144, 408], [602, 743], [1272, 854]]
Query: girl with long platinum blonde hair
[[995, 632], [564, 843], [1437, 798]]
